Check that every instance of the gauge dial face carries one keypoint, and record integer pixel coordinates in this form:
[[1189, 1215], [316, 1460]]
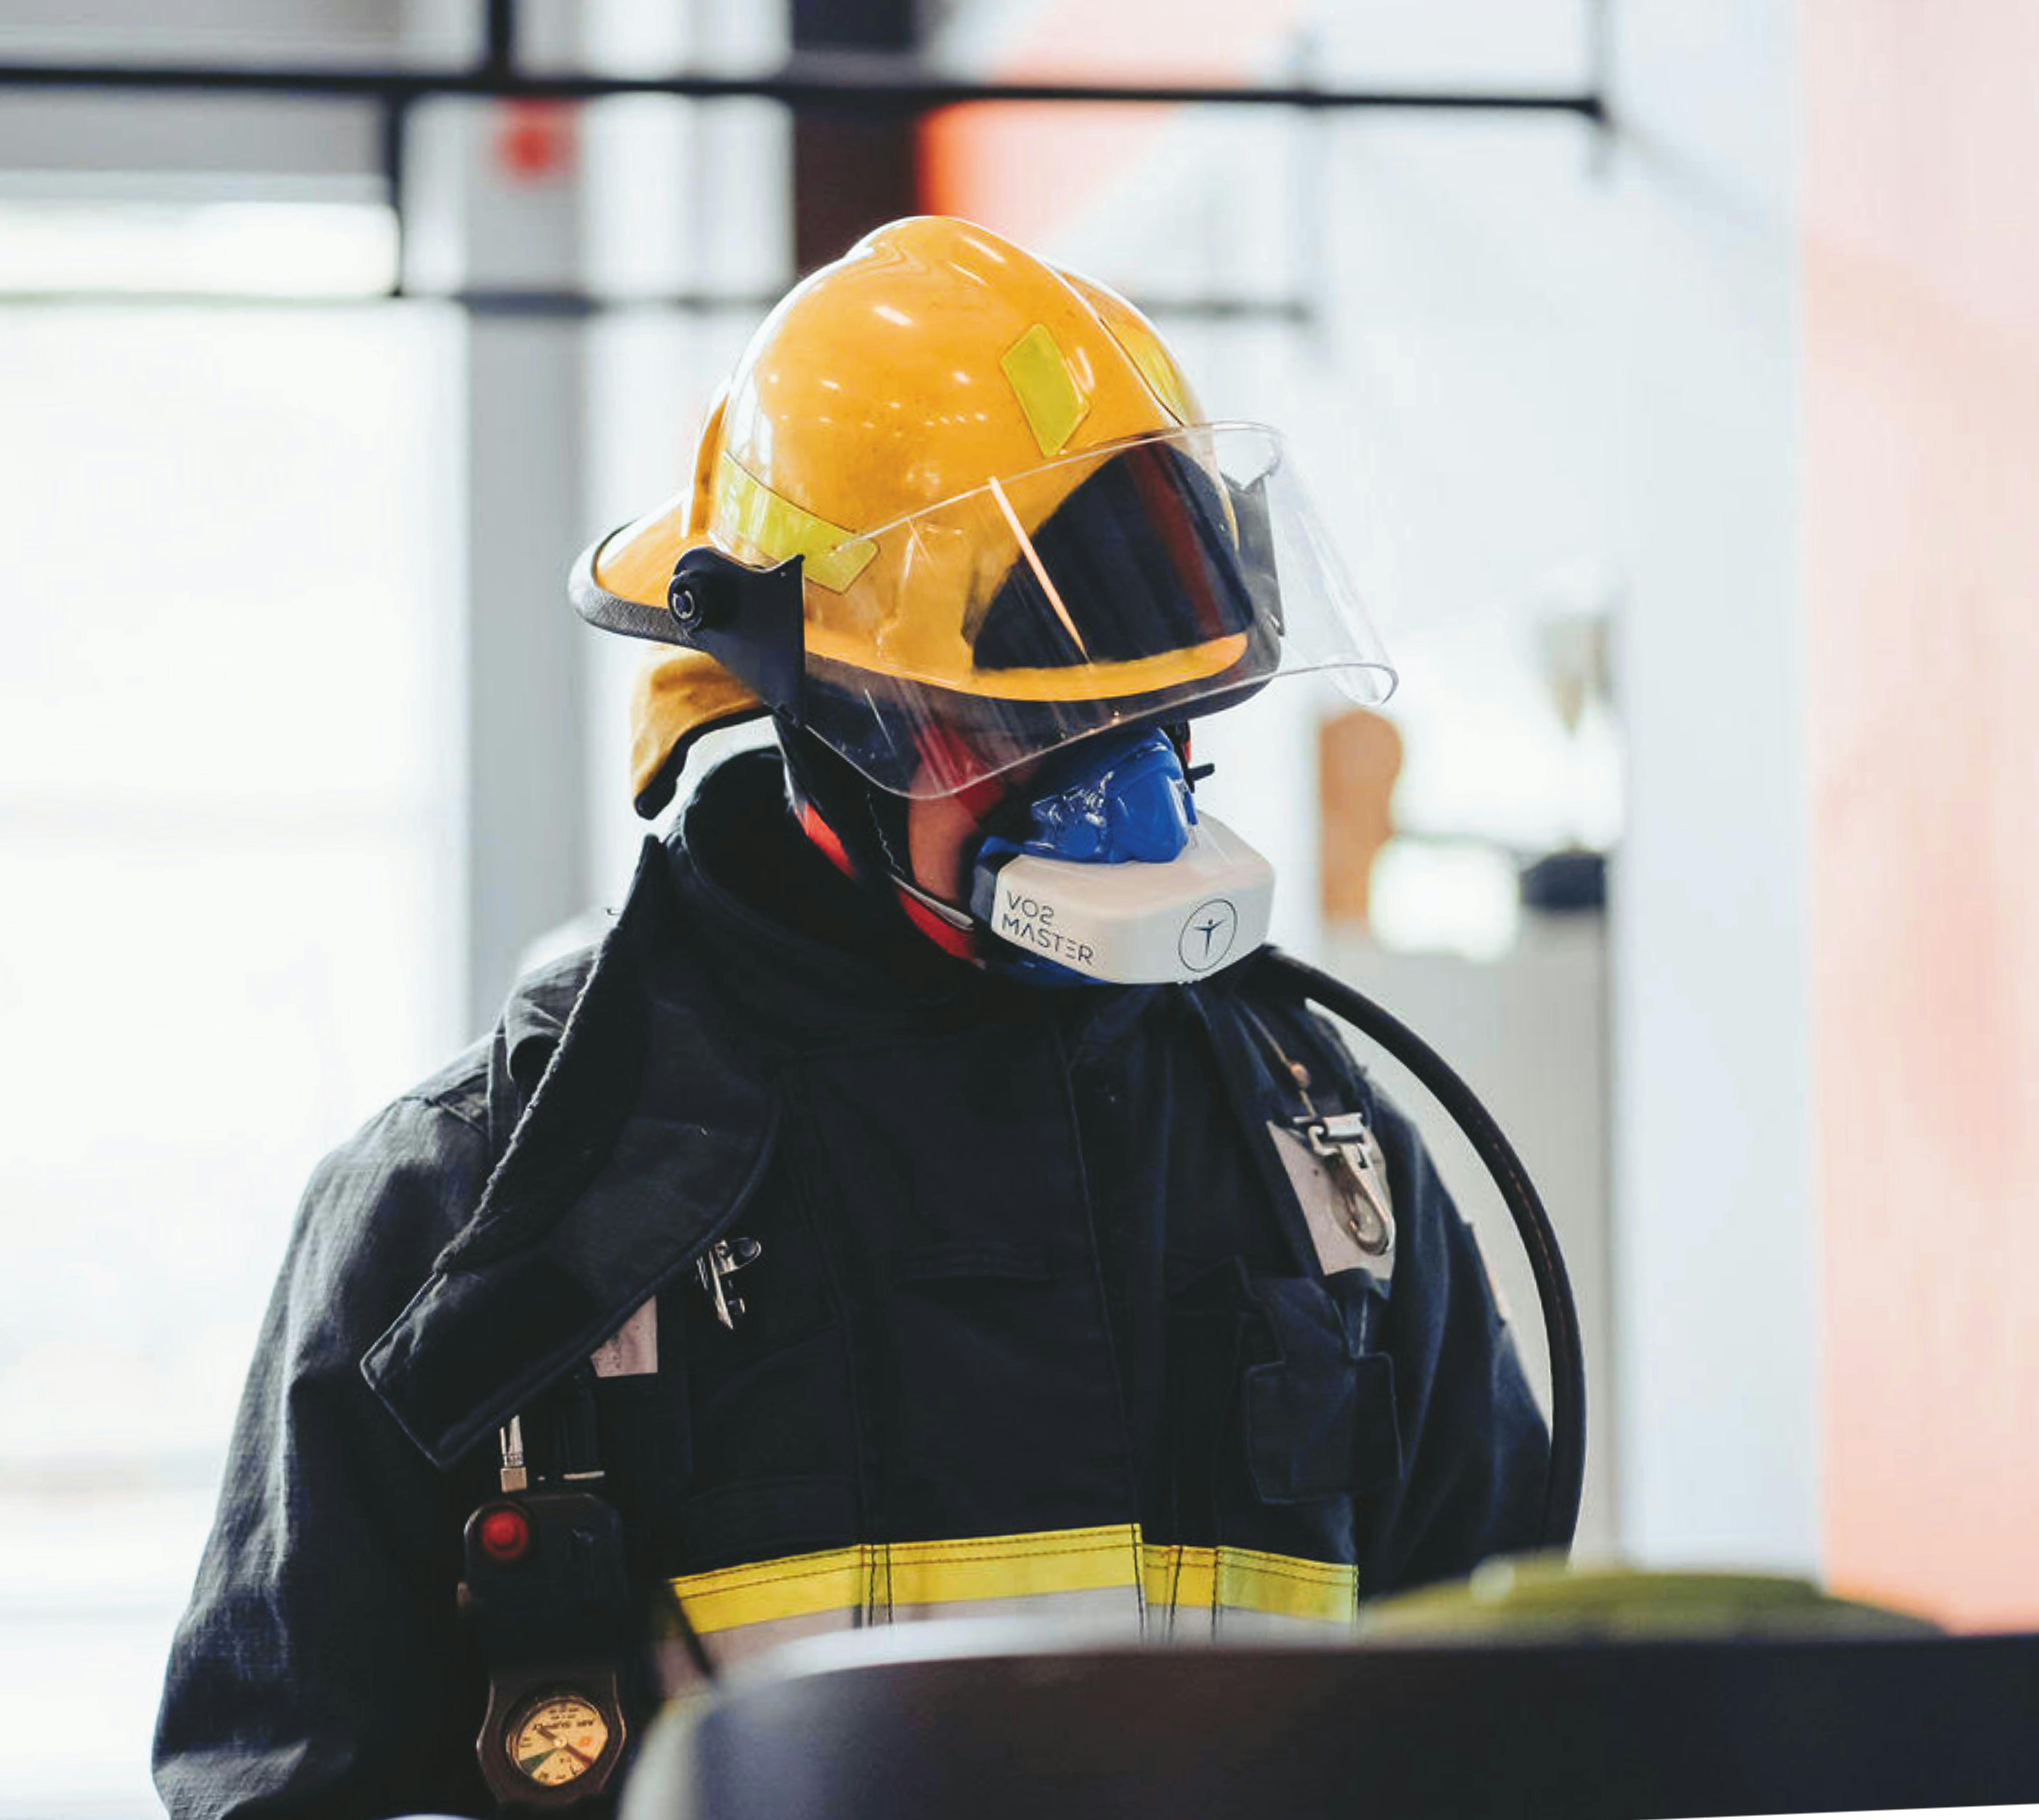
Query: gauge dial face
[[558, 1739]]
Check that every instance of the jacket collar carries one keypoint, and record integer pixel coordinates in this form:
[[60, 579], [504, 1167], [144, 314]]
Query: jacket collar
[[648, 1133], [536, 1015]]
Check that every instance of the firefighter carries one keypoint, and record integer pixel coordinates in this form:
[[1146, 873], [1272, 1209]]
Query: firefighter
[[924, 1200]]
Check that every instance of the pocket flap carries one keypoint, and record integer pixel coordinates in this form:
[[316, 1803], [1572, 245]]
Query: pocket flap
[[1319, 1418]]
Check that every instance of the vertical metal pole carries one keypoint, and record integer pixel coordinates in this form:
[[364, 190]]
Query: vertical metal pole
[[498, 53], [394, 127], [487, 209], [851, 172]]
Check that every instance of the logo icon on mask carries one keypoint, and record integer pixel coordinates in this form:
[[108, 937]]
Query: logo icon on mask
[[1208, 935]]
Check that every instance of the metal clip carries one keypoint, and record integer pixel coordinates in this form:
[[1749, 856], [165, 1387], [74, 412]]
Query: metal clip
[[1329, 1135], [716, 1265], [1348, 1142], [510, 1438]]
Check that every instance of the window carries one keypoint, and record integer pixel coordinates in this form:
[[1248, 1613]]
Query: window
[[228, 741]]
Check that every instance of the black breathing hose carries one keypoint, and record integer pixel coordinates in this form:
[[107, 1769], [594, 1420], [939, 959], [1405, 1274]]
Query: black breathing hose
[[1554, 1287]]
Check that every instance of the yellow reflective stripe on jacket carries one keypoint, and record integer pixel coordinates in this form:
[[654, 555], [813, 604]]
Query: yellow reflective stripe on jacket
[[875, 1577], [877, 1574], [1183, 1578]]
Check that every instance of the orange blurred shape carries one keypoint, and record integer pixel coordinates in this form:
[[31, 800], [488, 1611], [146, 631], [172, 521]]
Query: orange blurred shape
[[1359, 756]]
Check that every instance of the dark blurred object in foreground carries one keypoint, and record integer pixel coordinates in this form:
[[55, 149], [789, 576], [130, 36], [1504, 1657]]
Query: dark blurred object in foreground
[[990, 1720]]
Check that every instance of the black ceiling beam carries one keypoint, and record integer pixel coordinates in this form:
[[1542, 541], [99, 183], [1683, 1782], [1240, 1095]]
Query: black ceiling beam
[[851, 89], [581, 306]]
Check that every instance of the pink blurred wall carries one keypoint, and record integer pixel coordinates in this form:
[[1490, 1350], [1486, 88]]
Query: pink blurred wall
[[1921, 548], [1024, 170]]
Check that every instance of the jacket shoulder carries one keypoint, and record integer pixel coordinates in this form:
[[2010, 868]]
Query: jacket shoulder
[[383, 1202], [510, 1057], [534, 1019], [545, 995], [459, 1089], [409, 1178]]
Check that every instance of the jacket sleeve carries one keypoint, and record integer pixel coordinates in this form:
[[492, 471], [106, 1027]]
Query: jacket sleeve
[[1475, 1450], [321, 1668]]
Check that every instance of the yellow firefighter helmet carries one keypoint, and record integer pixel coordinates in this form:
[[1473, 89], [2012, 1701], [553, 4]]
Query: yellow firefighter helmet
[[955, 508]]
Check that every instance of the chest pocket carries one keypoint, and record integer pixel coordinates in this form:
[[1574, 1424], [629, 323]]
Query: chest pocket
[[1280, 1418], [1317, 1404], [1318, 1417], [768, 1414]]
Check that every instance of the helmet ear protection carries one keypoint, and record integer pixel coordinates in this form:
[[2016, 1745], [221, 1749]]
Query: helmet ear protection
[[678, 699]]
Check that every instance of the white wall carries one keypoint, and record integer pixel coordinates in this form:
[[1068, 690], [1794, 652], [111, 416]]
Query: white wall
[[1715, 1267], [1543, 357]]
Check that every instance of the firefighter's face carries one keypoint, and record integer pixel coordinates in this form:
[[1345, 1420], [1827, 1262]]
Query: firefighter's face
[[942, 832]]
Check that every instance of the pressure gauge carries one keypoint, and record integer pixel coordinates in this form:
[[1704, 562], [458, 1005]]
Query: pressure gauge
[[556, 1739]]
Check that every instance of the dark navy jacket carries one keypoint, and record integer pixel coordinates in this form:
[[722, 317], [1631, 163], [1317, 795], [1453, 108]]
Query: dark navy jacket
[[1045, 1317]]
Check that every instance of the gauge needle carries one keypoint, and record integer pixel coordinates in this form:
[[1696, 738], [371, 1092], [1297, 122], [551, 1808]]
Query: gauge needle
[[553, 1738]]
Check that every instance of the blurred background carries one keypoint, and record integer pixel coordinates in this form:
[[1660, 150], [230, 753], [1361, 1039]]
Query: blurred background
[[1678, 424]]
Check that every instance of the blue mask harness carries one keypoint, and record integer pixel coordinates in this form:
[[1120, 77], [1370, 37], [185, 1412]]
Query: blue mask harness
[[1112, 875]]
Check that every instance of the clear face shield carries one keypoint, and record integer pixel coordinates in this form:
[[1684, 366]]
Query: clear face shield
[[1149, 581], [1117, 591], [1132, 587]]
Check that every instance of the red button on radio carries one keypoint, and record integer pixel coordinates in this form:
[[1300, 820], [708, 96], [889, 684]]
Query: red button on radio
[[505, 1533]]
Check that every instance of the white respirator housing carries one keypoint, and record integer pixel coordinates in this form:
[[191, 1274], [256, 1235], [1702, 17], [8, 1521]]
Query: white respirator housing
[[1137, 922]]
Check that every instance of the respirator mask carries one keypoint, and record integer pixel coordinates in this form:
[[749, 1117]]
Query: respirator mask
[[1102, 868]]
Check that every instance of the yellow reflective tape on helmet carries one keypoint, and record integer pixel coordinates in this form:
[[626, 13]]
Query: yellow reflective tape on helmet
[[777, 529], [1047, 390], [1144, 348], [974, 1569]]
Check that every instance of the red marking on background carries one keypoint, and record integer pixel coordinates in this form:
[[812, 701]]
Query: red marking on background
[[535, 140]]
